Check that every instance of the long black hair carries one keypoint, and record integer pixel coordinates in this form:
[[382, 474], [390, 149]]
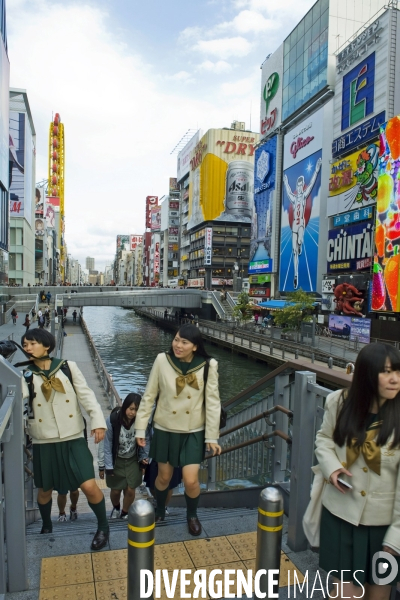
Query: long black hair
[[192, 333], [131, 398], [358, 402]]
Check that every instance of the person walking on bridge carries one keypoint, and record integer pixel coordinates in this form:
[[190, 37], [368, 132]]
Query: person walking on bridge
[[184, 381], [358, 450], [56, 390]]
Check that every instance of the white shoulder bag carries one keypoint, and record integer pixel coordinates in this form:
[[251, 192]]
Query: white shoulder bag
[[312, 516]]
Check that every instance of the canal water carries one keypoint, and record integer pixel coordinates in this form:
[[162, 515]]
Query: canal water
[[128, 345]]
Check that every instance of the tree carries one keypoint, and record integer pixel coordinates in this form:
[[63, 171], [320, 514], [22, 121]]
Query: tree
[[298, 308], [242, 310]]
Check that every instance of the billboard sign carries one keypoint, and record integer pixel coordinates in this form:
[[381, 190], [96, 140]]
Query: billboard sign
[[173, 185], [260, 266], [184, 156], [50, 215], [271, 93], [135, 240], [221, 177], [362, 94], [350, 248], [155, 218], [364, 214], [301, 205], [208, 246], [385, 279], [17, 164], [151, 202], [39, 228], [264, 188], [156, 262], [196, 283], [350, 328], [260, 279], [353, 181], [122, 242]]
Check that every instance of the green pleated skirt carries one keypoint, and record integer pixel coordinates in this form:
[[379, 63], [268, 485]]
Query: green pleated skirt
[[347, 547], [177, 449], [62, 465], [126, 474]]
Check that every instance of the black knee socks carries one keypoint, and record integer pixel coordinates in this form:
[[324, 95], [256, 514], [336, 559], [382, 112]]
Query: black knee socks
[[99, 510], [191, 506], [45, 513], [161, 497]]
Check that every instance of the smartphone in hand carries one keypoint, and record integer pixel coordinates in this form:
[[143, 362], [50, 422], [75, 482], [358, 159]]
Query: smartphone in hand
[[344, 483]]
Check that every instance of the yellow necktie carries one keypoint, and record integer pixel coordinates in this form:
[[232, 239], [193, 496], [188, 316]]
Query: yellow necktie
[[370, 451], [190, 379], [52, 383]]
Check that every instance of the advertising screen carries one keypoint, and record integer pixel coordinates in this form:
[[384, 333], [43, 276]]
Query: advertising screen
[[155, 216], [50, 215], [264, 187], [385, 279], [173, 185], [301, 205], [17, 164], [122, 242], [350, 328], [221, 177], [353, 181], [350, 248]]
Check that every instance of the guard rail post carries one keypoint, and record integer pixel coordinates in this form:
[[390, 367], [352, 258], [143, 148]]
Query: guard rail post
[[141, 524], [330, 362], [305, 406], [269, 540]]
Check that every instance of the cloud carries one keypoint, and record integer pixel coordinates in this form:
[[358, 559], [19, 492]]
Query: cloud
[[221, 66], [122, 114], [248, 21], [224, 47], [183, 76]]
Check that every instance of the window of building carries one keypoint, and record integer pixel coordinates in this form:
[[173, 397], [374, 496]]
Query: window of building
[[305, 61]]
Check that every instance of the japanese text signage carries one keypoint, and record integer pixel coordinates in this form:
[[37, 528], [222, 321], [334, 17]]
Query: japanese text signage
[[151, 202], [350, 248], [362, 134], [208, 247], [353, 181], [368, 38], [354, 216], [260, 266], [350, 328], [271, 93]]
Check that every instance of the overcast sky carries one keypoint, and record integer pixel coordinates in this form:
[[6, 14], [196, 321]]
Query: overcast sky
[[129, 78]]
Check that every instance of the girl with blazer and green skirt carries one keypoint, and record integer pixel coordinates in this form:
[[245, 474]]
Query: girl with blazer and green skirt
[[187, 416], [359, 442]]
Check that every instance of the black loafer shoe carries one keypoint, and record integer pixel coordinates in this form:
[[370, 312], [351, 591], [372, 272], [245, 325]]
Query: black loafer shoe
[[45, 530], [100, 540], [194, 526]]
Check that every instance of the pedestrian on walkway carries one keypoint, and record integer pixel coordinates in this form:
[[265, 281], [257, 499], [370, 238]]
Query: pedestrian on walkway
[[62, 503], [41, 319], [48, 297], [26, 323], [14, 316], [359, 443], [74, 315], [187, 415], [61, 457], [122, 456]]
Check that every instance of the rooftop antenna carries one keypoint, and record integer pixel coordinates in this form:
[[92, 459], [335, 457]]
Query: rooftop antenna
[[184, 140]]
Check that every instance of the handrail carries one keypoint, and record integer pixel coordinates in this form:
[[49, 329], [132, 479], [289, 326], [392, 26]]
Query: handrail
[[262, 415], [110, 387], [256, 440]]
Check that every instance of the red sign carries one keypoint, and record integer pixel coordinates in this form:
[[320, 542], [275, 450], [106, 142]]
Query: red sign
[[135, 240], [299, 144], [269, 122], [53, 200], [151, 202]]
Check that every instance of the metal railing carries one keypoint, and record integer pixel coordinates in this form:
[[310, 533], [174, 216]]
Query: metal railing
[[13, 558], [105, 378]]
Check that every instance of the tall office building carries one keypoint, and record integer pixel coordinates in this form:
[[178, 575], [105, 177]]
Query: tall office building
[[90, 263]]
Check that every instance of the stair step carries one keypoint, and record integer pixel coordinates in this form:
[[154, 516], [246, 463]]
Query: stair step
[[86, 522]]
